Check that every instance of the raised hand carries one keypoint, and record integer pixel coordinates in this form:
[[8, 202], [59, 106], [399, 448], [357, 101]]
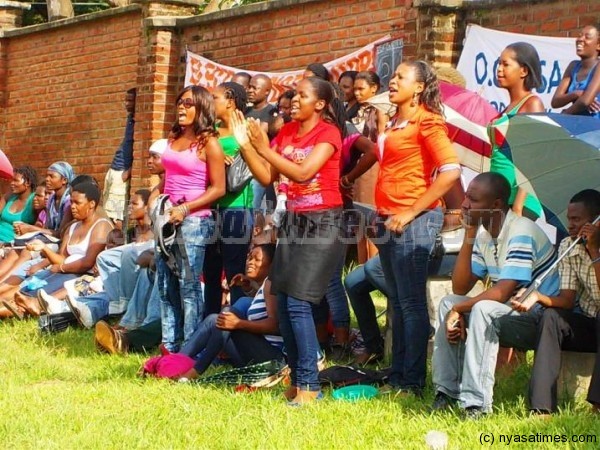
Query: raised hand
[[239, 128]]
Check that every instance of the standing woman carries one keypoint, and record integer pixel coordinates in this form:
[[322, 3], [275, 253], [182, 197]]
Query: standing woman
[[307, 152], [409, 208], [18, 206], [234, 210], [519, 72], [346, 83], [580, 85], [194, 179]]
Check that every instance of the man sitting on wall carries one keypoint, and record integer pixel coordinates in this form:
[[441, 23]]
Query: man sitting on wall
[[572, 320], [512, 251]]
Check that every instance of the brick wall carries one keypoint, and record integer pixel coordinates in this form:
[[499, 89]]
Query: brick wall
[[546, 18], [64, 89], [293, 37]]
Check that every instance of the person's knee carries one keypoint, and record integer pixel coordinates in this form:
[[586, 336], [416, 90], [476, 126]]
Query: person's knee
[[446, 304]]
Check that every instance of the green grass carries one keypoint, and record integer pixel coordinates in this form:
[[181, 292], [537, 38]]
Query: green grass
[[58, 392]]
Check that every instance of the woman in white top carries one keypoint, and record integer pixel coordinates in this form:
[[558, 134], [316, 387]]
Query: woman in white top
[[84, 240]]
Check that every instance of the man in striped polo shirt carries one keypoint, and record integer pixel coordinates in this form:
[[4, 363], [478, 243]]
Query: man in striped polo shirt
[[512, 251]]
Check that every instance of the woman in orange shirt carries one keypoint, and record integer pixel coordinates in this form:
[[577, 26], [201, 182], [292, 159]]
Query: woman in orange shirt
[[407, 198]]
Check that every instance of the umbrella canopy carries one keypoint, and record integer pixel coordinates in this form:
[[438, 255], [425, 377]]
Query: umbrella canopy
[[467, 115], [555, 156], [6, 168]]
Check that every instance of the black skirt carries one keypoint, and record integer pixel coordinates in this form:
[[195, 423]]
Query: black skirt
[[308, 251]]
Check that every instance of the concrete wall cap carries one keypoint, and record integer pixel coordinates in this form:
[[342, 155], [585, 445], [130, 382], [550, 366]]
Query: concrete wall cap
[[171, 2], [7, 4]]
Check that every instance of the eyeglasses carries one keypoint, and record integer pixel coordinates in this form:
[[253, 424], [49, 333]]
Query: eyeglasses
[[186, 102]]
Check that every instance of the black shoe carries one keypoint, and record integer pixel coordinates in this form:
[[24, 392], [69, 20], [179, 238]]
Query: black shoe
[[474, 413], [442, 401]]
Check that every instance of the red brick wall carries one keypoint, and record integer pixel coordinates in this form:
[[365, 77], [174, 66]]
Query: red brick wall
[[292, 38], [65, 90], [546, 18]]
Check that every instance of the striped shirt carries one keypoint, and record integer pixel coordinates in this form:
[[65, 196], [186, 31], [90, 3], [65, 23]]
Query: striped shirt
[[577, 274], [258, 311], [521, 253]]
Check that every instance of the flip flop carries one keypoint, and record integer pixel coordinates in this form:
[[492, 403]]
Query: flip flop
[[14, 309]]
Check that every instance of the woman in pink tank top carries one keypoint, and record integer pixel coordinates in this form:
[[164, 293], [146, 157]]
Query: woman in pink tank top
[[194, 179]]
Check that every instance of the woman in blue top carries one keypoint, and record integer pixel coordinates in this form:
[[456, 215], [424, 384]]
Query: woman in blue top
[[580, 85], [18, 206]]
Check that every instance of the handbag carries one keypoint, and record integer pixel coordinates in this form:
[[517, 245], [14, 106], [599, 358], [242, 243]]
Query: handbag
[[238, 174], [55, 323]]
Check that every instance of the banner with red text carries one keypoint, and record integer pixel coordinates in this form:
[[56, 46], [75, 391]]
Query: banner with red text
[[204, 72]]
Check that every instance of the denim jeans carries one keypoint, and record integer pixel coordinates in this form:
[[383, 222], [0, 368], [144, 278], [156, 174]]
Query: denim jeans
[[98, 305], [181, 314], [300, 340], [144, 305], [359, 284], [465, 370], [207, 342], [336, 296], [119, 270], [229, 253], [404, 259]]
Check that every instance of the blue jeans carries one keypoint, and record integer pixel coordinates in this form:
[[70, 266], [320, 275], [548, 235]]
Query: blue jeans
[[207, 342], [181, 314], [98, 304], [359, 284], [228, 253], [118, 269], [144, 305], [300, 340], [336, 296], [404, 259]]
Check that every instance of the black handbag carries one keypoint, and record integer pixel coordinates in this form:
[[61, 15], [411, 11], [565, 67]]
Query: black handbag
[[238, 174], [55, 323]]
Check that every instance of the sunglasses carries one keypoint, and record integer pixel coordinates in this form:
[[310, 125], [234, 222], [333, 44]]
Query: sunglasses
[[186, 102]]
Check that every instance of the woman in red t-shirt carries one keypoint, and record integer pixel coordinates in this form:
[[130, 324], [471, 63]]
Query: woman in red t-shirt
[[307, 152], [408, 203]]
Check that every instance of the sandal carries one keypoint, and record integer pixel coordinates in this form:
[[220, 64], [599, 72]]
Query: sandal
[[15, 309]]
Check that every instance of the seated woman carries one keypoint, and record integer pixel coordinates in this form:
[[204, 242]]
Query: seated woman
[[248, 332], [57, 217], [84, 240], [18, 206], [88, 309]]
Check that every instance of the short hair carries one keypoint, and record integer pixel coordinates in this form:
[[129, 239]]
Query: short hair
[[289, 94], [498, 185], [370, 77], [267, 249], [527, 56], [144, 193], [590, 198], [319, 71], [243, 75], [348, 73], [90, 190], [132, 91], [83, 179], [236, 92], [29, 175]]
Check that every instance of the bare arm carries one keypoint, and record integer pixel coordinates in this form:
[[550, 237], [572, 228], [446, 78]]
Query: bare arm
[[369, 158], [561, 97], [587, 98], [96, 245], [463, 278], [215, 160]]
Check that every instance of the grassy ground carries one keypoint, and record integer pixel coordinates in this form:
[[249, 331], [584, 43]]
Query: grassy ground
[[58, 392]]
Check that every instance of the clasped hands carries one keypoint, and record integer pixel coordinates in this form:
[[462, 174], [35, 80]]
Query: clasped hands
[[456, 329], [248, 133]]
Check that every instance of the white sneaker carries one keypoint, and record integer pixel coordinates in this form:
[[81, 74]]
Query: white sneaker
[[82, 312], [51, 304]]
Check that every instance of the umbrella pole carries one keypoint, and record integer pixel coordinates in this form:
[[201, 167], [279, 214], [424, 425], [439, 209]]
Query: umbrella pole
[[539, 280]]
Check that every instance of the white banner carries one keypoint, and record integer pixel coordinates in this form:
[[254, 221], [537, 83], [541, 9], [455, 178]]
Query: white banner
[[204, 72], [479, 60]]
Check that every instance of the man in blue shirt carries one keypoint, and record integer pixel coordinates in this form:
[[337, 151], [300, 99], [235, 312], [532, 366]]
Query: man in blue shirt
[[512, 251], [116, 181]]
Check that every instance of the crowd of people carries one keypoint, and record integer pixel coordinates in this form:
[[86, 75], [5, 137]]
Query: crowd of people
[[248, 263]]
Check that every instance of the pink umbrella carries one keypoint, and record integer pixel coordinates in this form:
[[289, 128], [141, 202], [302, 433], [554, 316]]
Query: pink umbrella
[[467, 115], [6, 168]]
